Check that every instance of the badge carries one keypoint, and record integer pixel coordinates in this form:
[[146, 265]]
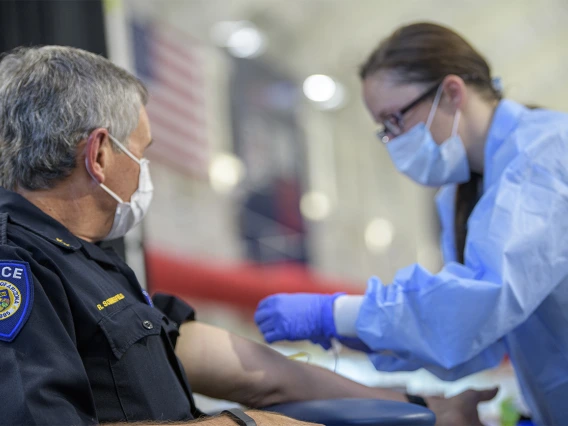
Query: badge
[[16, 298]]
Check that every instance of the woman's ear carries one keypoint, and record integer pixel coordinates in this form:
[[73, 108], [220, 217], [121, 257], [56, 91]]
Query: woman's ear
[[97, 154], [455, 92]]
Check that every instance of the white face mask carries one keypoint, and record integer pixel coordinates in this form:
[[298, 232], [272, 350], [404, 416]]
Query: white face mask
[[129, 214], [417, 155]]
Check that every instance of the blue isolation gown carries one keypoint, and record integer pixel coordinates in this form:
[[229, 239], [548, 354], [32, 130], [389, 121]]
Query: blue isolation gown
[[511, 296]]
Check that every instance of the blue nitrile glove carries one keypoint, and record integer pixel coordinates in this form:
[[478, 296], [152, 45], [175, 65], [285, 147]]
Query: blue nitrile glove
[[354, 343], [324, 342], [301, 316]]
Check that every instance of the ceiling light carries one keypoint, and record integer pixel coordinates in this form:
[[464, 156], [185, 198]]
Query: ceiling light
[[379, 235], [226, 172], [319, 88], [315, 205]]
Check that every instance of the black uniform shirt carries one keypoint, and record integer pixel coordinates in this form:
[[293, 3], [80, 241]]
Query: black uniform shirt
[[80, 342]]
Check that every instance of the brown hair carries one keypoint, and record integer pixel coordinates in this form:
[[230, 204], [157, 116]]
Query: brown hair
[[426, 53]]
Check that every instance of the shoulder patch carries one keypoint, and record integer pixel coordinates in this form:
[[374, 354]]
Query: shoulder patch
[[16, 297]]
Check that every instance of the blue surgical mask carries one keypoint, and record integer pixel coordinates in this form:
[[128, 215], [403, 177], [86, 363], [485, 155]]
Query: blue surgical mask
[[417, 155]]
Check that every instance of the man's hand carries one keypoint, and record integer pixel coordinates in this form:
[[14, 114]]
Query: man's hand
[[461, 410], [274, 419], [261, 418]]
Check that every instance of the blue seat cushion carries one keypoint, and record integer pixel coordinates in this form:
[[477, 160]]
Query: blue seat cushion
[[354, 411]]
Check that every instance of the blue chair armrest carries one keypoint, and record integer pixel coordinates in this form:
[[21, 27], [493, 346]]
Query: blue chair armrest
[[353, 411]]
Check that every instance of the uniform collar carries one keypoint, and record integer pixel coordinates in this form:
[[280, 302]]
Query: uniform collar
[[99, 254], [27, 215], [506, 118]]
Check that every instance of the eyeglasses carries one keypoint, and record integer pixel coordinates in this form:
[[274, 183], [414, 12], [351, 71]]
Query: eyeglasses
[[393, 125]]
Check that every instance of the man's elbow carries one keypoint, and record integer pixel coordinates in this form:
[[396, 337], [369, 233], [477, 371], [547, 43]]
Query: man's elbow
[[263, 393]]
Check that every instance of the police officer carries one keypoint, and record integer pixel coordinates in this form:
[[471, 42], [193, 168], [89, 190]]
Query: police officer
[[80, 341]]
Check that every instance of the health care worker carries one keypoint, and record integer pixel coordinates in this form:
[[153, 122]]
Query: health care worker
[[503, 208]]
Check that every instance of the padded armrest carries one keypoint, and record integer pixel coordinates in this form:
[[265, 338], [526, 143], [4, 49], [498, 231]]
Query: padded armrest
[[353, 411]]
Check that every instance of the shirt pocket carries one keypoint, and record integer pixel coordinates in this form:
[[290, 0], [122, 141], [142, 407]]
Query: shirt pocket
[[130, 325], [144, 380]]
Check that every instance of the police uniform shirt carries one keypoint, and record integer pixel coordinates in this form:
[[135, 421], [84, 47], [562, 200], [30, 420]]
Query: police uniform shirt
[[80, 343]]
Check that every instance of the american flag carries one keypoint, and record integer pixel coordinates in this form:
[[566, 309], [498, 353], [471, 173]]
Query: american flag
[[170, 63]]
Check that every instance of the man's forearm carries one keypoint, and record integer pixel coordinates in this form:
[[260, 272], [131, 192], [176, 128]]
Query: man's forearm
[[305, 382], [222, 365]]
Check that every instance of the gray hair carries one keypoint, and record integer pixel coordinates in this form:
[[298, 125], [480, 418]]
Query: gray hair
[[52, 98]]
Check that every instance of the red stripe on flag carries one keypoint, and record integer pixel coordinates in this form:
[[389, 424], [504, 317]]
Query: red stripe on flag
[[159, 101], [176, 104], [166, 120]]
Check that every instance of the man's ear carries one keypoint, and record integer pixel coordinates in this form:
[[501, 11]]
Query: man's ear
[[455, 92], [97, 154]]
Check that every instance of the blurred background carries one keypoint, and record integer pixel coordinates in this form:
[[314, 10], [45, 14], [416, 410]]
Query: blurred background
[[268, 175]]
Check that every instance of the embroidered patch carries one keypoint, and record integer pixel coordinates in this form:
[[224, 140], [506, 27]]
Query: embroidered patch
[[16, 298]]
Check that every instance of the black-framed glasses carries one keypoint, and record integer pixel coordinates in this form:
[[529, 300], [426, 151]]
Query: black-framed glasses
[[392, 126]]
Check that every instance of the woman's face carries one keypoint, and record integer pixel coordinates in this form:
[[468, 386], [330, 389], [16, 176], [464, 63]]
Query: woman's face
[[385, 96]]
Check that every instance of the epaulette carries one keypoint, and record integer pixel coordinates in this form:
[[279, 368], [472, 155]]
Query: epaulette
[[3, 228]]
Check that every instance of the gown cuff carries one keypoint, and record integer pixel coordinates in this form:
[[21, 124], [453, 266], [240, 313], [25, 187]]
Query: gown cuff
[[345, 313]]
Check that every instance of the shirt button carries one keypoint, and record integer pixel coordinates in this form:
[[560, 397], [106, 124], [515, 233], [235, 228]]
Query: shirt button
[[148, 325]]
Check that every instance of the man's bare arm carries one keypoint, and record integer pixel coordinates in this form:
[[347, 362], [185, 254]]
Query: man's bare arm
[[225, 366]]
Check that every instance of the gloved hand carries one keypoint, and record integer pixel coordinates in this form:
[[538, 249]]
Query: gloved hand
[[354, 343], [301, 316], [324, 342]]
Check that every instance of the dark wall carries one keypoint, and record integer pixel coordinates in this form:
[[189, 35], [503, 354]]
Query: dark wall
[[78, 23]]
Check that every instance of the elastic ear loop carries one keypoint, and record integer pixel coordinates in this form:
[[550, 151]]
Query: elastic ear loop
[[123, 148], [456, 123], [131, 155], [111, 193], [433, 112], [127, 152], [102, 185], [434, 107]]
